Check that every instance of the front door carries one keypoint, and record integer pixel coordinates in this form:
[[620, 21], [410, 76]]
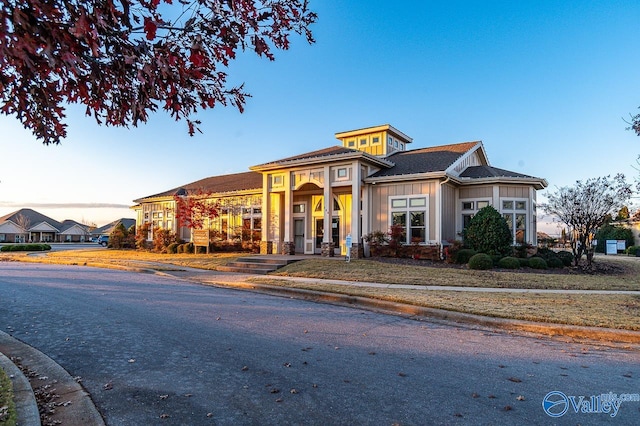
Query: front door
[[335, 234], [298, 234], [319, 231]]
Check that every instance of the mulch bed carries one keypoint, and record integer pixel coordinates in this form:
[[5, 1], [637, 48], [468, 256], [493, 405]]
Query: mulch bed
[[597, 268]]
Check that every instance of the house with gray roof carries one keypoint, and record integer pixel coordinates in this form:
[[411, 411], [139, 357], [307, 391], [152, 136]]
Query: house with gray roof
[[27, 225], [317, 202]]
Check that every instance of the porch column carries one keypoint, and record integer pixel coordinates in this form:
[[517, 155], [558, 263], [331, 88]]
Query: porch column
[[266, 246], [288, 246], [327, 243], [356, 186]]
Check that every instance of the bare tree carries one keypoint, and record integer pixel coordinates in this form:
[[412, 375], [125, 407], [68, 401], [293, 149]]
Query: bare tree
[[23, 222], [586, 206]]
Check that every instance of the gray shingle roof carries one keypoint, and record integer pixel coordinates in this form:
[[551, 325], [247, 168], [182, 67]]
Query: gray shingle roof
[[477, 172], [425, 160], [215, 184], [321, 153], [106, 229], [32, 217]]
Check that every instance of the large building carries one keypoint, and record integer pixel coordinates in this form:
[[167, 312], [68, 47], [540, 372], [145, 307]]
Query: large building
[[310, 203]]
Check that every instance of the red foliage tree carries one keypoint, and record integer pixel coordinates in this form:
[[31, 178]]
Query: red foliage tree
[[193, 209], [123, 59]]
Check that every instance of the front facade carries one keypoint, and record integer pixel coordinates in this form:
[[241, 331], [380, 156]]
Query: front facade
[[312, 203]]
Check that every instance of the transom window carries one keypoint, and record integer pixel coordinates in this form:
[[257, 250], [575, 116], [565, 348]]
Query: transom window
[[411, 214]]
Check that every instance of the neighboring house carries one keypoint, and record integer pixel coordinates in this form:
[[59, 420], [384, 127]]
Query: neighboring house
[[27, 225], [106, 229], [372, 181]]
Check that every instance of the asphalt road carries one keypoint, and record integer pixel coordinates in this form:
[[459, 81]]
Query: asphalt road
[[154, 350]]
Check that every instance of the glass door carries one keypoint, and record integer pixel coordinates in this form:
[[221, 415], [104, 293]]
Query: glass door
[[298, 234]]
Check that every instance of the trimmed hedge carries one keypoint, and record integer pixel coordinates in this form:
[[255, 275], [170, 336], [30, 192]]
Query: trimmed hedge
[[481, 261], [509, 262], [26, 247], [537, 263], [464, 255]]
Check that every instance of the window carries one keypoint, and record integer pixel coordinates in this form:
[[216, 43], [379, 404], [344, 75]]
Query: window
[[390, 141], [469, 209], [351, 144], [516, 215], [375, 140], [402, 147], [277, 180], [251, 223], [298, 208], [342, 173], [3, 237], [410, 213], [363, 141], [395, 144]]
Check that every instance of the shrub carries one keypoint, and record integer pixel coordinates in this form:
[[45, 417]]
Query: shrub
[[172, 248], [555, 262], [480, 261], [566, 257], [613, 232], [509, 262], [488, 233], [524, 263], [189, 248], [632, 250], [180, 248], [26, 247], [537, 263], [463, 255]]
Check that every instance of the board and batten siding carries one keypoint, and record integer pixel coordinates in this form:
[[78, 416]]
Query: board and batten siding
[[480, 191], [448, 212], [380, 194], [514, 192]]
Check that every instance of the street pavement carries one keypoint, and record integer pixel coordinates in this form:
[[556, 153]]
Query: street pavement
[[418, 369]]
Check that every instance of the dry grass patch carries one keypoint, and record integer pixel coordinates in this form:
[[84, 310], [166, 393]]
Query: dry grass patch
[[389, 273], [611, 311], [129, 259]]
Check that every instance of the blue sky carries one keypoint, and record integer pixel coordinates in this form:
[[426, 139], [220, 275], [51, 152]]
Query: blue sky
[[545, 85]]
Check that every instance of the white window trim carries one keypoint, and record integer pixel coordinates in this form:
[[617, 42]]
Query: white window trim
[[526, 212], [408, 209]]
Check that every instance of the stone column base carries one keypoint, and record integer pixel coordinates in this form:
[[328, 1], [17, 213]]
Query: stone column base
[[328, 249], [266, 247], [289, 248], [357, 252]]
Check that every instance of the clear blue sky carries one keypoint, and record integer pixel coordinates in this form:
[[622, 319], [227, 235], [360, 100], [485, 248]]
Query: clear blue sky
[[544, 84]]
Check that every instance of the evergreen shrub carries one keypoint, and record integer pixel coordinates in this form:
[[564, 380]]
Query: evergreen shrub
[[537, 263], [509, 262], [481, 261]]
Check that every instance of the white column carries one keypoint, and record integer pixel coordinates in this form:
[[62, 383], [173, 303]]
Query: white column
[[288, 208], [355, 202], [328, 205], [266, 206]]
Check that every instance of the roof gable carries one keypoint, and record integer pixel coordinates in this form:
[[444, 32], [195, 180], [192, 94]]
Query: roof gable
[[44, 227], [8, 227], [426, 160], [106, 229]]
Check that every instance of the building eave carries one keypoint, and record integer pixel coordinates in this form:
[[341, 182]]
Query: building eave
[[537, 183], [279, 165], [404, 178]]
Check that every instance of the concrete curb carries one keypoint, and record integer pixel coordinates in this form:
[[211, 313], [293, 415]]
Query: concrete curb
[[23, 397], [580, 332], [76, 407]]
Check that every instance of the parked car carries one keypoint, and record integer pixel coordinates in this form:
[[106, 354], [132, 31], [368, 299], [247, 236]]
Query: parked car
[[103, 240]]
